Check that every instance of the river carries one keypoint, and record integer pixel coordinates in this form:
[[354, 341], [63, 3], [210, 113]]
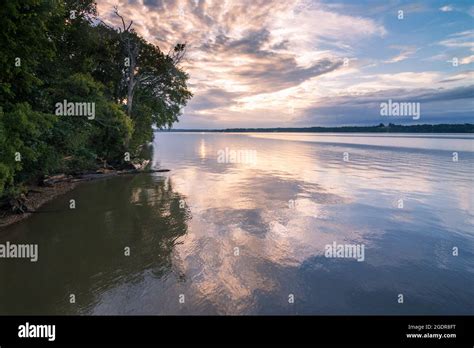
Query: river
[[213, 236]]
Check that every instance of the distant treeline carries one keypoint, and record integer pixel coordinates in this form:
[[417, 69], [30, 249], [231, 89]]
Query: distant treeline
[[381, 128]]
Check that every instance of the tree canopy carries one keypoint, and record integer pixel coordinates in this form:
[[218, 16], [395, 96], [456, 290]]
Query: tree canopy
[[60, 51]]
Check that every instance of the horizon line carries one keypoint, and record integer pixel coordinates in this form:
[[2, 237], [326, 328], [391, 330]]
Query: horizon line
[[377, 126]]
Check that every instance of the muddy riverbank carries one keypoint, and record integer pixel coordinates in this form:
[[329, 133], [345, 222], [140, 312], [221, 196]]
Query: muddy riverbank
[[54, 187]]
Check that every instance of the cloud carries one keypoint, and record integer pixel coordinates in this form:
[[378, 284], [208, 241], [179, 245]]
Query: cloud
[[212, 98], [460, 40], [446, 8], [462, 9], [365, 110], [467, 60], [467, 76], [263, 63], [405, 53]]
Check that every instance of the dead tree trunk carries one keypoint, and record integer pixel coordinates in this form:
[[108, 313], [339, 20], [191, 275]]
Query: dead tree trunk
[[132, 82], [132, 50]]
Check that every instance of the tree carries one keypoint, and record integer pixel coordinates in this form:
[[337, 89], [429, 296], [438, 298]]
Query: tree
[[55, 50], [152, 78]]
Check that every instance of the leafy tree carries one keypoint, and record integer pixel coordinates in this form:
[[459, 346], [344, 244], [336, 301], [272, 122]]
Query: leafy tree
[[56, 50]]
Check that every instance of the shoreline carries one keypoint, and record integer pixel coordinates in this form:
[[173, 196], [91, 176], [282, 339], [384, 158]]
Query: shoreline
[[38, 195]]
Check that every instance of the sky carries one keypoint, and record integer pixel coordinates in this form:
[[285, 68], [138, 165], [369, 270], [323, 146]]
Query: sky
[[299, 63]]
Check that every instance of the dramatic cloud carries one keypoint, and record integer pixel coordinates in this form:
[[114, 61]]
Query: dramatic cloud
[[257, 63]]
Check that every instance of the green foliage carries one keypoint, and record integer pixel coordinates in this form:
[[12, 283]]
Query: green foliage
[[26, 152], [143, 131], [6, 169], [26, 45], [164, 90], [115, 130], [77, 60], [87, 140]]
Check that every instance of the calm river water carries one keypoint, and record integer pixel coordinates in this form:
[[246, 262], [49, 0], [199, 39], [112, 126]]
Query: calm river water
[[217, 237]]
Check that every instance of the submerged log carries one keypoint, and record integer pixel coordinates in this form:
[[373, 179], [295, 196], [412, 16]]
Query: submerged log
[[133, 168], [152, 171], [93, 176]]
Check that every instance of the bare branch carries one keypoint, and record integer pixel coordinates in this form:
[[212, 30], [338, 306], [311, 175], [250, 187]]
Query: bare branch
[[178, 54], [106, 25], [125, 28]]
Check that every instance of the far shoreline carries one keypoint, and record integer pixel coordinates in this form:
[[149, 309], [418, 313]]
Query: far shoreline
[[465, 128]]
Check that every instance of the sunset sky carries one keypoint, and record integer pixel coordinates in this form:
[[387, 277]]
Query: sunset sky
[[262, 63]]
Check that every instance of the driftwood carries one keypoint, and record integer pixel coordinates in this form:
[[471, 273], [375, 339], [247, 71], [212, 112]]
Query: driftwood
[[54, 179], [107, 174], [145, 171]]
